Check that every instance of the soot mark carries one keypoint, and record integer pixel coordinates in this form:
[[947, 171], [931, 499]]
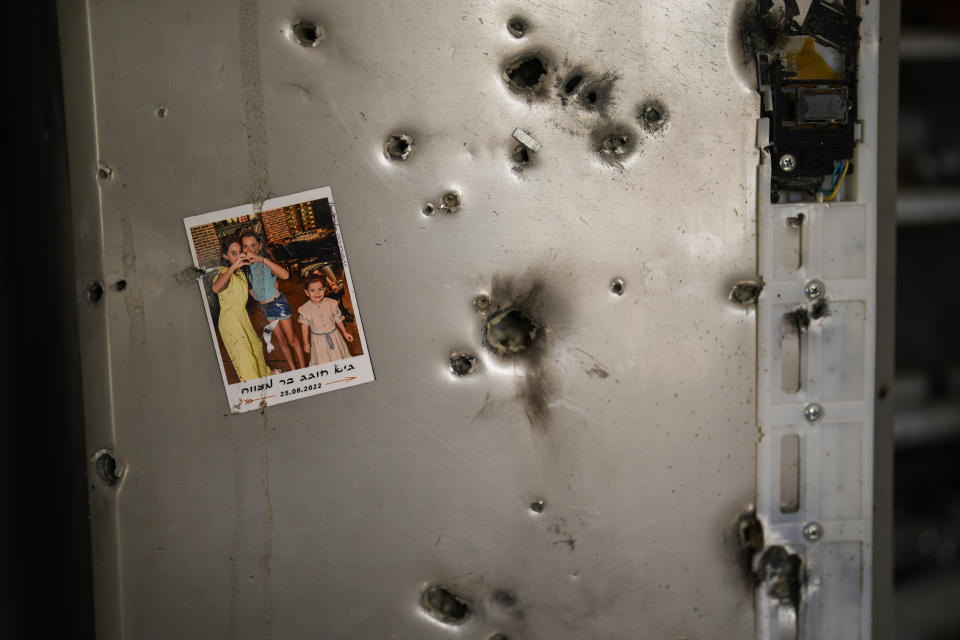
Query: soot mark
[[518, 325], [597, 94], [504, 598], [526, 73], [762, 30], [444, 606]]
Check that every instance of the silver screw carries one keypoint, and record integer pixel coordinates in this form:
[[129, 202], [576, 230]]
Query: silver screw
[[813, 412], [787, 163], [813, 531], [814, 290]]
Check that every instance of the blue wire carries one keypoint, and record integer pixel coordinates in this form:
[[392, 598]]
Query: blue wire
[[834, 177]]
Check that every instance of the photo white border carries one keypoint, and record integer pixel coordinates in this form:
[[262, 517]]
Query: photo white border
[[299, 383]]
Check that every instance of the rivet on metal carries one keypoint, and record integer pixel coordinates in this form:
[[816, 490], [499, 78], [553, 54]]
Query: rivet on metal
[[813, 531], [813, 412], [788, 163], [814, 290]]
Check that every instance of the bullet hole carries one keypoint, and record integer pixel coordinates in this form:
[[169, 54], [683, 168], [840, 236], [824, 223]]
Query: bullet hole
[[93, 292], [462, 364], [510, 331], [307, 34], [428, 209], [652, 116], [399, 147], [444, 606], [481, 303], [104, 172], [592, 97], [120, 285], [106, 467], [615, 145], [450, 202], [572, 83], [537, 506], [746, 293], [526, 74], [749, 540], [781, 571], [517, 27], [161, 112], [616, 286], [521, 155]]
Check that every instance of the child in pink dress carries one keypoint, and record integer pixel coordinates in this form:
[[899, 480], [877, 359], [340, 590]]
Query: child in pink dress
[[322, 322]]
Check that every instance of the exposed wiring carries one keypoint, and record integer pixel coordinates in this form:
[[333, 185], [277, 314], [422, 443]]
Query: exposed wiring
[[836, 186]]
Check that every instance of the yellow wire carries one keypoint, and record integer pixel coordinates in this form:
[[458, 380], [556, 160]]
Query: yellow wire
[[846, 165]]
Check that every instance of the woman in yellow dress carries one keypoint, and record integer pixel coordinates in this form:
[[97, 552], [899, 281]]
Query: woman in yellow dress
[[236, 330]]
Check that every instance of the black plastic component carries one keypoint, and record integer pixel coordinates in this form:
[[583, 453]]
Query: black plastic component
[[812, 120]]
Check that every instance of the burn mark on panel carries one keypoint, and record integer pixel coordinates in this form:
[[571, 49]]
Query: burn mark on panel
[[443, 605], [761, 31], [781, 572], [597, 94], [516, 316], [526, 73], [799, 318], [776, 570], [819, 309]]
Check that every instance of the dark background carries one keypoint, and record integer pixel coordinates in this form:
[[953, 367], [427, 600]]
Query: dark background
[[44, 538], [44, 535]]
